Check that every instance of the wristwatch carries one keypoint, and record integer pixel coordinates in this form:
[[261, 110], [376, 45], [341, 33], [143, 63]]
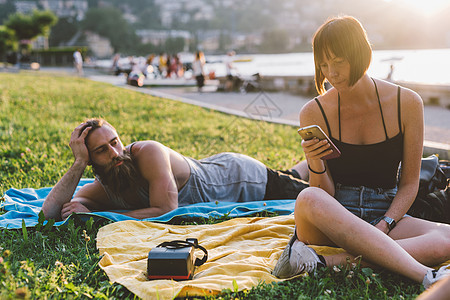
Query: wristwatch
[[391, 222]]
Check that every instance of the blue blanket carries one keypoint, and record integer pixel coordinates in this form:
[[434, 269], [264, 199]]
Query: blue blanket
[[25, 204]]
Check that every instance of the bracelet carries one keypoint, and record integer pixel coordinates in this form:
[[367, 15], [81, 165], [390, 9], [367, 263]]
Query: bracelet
[[317, 172]]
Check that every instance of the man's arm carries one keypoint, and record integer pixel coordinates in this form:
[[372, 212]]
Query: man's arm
[[91, 196], [62, 192], [154, 164]]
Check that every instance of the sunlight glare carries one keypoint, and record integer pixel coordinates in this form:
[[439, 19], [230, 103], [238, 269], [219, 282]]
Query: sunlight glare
[[426, 7]]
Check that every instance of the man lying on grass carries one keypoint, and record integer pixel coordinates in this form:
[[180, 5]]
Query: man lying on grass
[[150, 179]]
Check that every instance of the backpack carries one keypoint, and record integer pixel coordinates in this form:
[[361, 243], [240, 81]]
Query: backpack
[[433, 198]]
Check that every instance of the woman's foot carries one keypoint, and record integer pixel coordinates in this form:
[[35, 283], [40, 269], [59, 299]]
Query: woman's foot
[[295, 259], [433, 276]]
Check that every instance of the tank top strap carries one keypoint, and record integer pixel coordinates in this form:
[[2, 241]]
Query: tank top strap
[[324, 116], [381, 110], [339, 115], [399, 110], [130, 147]]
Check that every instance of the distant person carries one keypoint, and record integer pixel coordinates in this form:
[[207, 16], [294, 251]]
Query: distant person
[[391, 72], [78, 62], [198, 69], [179, 65], [229, 83], [162, 65], [115, 67], [174, 65], [149, 68], [356, 201], [150, 179], [169, 67]]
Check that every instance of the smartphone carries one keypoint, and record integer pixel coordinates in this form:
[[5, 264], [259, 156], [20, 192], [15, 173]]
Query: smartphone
[[314, 131]]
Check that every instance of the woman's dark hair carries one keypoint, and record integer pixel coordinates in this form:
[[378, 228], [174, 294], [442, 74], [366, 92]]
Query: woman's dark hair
[[343, 37]]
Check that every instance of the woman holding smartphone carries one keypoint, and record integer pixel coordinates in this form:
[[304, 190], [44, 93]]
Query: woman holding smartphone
[[355, 201]]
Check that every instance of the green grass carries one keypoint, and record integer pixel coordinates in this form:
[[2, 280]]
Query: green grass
[[37, 115]]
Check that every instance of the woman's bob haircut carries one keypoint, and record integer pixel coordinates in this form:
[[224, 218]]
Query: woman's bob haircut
[[342, 37]]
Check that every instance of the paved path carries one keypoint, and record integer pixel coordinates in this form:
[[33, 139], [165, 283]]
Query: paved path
[[275, 107]]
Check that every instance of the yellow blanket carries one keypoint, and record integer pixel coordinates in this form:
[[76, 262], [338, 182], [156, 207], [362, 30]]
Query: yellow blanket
[[244, 249]]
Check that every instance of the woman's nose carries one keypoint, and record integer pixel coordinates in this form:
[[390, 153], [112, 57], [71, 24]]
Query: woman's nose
[[333, 71]]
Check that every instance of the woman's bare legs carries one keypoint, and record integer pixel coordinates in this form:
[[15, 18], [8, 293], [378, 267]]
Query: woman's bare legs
[[321, 220], [428, 242], [439, 291]]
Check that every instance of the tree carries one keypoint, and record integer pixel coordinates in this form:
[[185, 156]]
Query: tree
[[6, 9], [28, 27], [174, 45], [63, 31], [110, 23], [275, 41], [6, 42]]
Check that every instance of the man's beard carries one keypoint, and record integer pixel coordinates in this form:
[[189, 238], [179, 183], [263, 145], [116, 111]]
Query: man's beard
[[119, 179]]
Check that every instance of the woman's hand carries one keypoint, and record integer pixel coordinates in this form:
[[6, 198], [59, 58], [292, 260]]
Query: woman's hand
[[315, 149]]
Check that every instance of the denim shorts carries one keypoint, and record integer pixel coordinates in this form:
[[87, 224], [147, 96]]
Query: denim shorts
[[366, 203]]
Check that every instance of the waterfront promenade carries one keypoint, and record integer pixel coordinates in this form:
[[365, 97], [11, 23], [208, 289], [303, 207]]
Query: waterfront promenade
[[275, 107]]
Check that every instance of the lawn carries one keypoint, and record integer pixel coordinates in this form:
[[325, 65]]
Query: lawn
[[37, 115]]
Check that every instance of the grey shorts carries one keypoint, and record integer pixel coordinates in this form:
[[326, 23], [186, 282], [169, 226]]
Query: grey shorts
[[366, 203]]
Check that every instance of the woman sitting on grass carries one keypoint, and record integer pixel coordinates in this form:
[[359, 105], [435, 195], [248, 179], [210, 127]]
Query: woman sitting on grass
[[354, 201]]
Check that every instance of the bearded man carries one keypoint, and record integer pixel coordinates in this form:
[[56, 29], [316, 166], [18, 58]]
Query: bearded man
[[148, 179]]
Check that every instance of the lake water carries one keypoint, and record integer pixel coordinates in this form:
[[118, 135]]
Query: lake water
[[418, 66], [426, 66]]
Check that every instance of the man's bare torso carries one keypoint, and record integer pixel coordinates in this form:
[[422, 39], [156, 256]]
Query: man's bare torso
[[179, 166]]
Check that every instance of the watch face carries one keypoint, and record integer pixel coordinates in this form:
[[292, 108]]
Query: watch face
[[390, 221]]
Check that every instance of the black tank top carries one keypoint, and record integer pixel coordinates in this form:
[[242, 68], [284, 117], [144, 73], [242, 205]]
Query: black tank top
[[373, 165]]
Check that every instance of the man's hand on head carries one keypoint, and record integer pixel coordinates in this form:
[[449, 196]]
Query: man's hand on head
[[72, 207], [78, 143]]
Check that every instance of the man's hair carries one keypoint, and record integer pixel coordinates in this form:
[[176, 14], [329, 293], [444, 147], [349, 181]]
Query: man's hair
[[344, 37], [96, 123]]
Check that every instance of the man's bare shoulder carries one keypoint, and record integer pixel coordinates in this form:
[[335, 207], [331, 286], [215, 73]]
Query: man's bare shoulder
[[147, 148]]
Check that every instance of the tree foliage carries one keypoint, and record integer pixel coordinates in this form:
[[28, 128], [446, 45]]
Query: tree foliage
[[28, 27], [174, 45], [63, 31], [146, 12], [6, 41], [6, 9], [275, 41], [110, 23]]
